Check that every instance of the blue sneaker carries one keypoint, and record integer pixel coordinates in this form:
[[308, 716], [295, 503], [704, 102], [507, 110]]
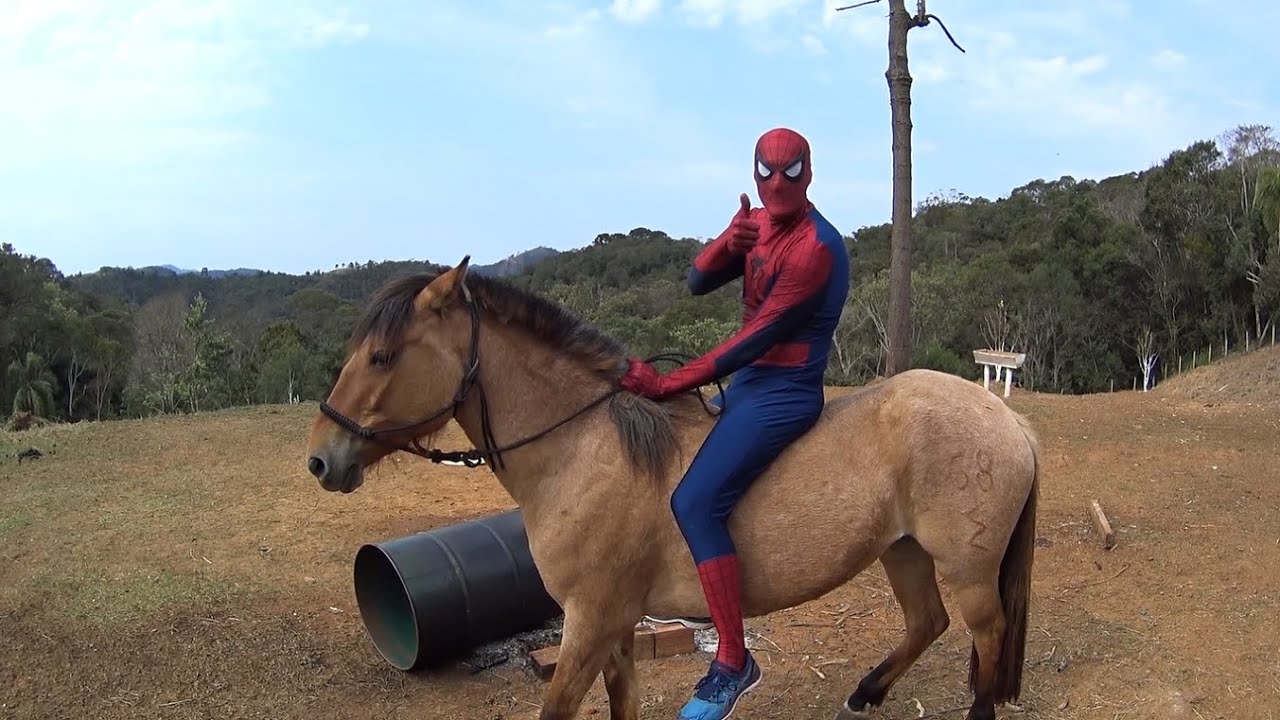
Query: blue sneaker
[[717, 694]]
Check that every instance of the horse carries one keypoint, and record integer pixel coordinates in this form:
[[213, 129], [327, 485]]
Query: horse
[[923, 471]]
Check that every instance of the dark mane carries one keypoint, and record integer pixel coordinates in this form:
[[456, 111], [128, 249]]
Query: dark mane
[[647, 428], [391, 311]]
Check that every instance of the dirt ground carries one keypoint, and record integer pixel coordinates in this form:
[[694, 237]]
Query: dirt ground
[[188, 567]]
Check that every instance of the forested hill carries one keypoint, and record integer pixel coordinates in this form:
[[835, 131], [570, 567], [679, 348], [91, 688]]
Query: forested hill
[[264, 293], [1085, 276]]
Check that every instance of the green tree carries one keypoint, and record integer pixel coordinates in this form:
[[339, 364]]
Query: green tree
[[285, 365], [34, 386]]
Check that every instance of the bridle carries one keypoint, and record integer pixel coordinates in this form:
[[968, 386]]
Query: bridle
[[470, 378]]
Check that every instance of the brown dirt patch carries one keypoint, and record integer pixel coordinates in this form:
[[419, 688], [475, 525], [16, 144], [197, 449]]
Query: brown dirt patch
[[190, 568]]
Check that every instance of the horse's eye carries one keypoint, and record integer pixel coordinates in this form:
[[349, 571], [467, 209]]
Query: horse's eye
[[380, 358]]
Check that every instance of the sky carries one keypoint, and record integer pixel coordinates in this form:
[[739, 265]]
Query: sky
[[293, 135]]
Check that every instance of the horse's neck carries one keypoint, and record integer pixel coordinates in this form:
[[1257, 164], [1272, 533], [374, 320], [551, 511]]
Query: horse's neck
[[528, 388]]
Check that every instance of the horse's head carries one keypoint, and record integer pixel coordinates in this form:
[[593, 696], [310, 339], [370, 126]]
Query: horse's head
[[412, 361]]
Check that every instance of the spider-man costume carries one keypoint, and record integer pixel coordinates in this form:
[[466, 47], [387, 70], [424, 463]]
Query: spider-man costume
[[795, 271]]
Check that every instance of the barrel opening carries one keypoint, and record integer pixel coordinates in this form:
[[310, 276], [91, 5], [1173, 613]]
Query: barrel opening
[[386, 607]]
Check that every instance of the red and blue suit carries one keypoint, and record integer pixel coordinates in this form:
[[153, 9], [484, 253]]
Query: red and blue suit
[[795, 272]]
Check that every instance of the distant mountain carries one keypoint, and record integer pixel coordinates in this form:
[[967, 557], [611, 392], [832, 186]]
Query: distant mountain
[[236, 272], [516, 264], [244, 291], [507, 267]]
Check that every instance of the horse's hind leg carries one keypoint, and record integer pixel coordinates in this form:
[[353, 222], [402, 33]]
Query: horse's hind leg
[[911, 574], [981, 609]]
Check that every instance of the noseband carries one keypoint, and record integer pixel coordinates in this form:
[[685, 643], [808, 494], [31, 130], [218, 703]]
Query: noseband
[[470, 378]]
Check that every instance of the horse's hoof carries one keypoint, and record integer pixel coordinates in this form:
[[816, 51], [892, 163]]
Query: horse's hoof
[[848, 714]]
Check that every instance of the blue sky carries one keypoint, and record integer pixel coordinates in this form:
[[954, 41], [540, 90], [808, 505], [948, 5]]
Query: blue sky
[[292, 135]]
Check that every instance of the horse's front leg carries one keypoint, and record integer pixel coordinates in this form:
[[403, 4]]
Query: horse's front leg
[[620, 680], [592, 633]]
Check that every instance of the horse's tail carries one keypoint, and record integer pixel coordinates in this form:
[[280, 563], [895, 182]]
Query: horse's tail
[[1015, 587]]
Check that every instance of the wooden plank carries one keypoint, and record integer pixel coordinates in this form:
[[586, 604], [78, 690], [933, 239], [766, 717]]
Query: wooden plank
[[643, 649], [664, 641], [672, 640], [1102, 525], [544, 661]]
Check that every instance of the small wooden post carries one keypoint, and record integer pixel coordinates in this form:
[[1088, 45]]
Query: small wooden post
[[1102, 525]]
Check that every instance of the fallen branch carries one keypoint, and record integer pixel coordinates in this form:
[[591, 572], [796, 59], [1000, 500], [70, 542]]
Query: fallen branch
[[1099, 582], [817, 669]]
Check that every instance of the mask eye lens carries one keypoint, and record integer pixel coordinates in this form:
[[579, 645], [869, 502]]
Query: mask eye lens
[[793, 171], [762, 170]]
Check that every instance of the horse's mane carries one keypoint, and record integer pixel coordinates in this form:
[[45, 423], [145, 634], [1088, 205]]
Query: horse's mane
[[647, 428]]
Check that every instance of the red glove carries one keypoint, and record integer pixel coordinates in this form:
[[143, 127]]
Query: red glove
[[743, 231], [643, 379]]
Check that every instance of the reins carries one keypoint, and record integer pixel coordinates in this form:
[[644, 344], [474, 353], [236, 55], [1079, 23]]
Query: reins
[[490, 454]]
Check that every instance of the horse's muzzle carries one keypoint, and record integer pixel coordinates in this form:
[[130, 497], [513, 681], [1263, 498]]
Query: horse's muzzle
[[335, 476]]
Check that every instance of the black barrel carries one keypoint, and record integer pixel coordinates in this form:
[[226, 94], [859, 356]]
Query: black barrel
[[430, 596]]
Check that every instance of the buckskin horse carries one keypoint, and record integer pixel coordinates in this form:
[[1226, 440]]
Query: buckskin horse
[[924, 471]]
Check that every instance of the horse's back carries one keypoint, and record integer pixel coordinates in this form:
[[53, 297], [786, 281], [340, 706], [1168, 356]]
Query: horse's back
[[919, 399]]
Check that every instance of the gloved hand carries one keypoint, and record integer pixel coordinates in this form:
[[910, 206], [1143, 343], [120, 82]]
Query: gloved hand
[[743, 231], [642, 379]]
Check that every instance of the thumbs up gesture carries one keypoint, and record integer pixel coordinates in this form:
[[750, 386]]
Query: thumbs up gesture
[[743, 231]]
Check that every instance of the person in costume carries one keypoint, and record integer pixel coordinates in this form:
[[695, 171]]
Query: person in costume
[[795, 272]]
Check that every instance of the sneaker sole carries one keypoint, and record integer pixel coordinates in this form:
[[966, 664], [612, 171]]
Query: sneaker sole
[[691, 624]]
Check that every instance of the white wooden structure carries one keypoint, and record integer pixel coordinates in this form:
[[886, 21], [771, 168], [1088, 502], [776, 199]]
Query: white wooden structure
[[1004, 363]]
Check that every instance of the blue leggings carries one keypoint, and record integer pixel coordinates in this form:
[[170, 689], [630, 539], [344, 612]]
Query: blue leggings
[[764, 413]]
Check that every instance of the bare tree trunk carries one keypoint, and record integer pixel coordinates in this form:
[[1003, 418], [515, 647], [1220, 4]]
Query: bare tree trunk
[[899, 79]]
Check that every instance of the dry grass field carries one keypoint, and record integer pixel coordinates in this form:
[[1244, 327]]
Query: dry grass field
[[188, 567]]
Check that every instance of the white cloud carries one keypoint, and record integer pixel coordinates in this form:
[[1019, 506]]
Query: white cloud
[[1169, 60], [577, 26], [634, 11], [135, 81], [1058, 94], [320, 29], [813, 45], [866, 25], [711, 13]]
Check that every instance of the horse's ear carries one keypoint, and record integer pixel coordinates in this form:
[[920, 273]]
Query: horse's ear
[[445, 289]]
